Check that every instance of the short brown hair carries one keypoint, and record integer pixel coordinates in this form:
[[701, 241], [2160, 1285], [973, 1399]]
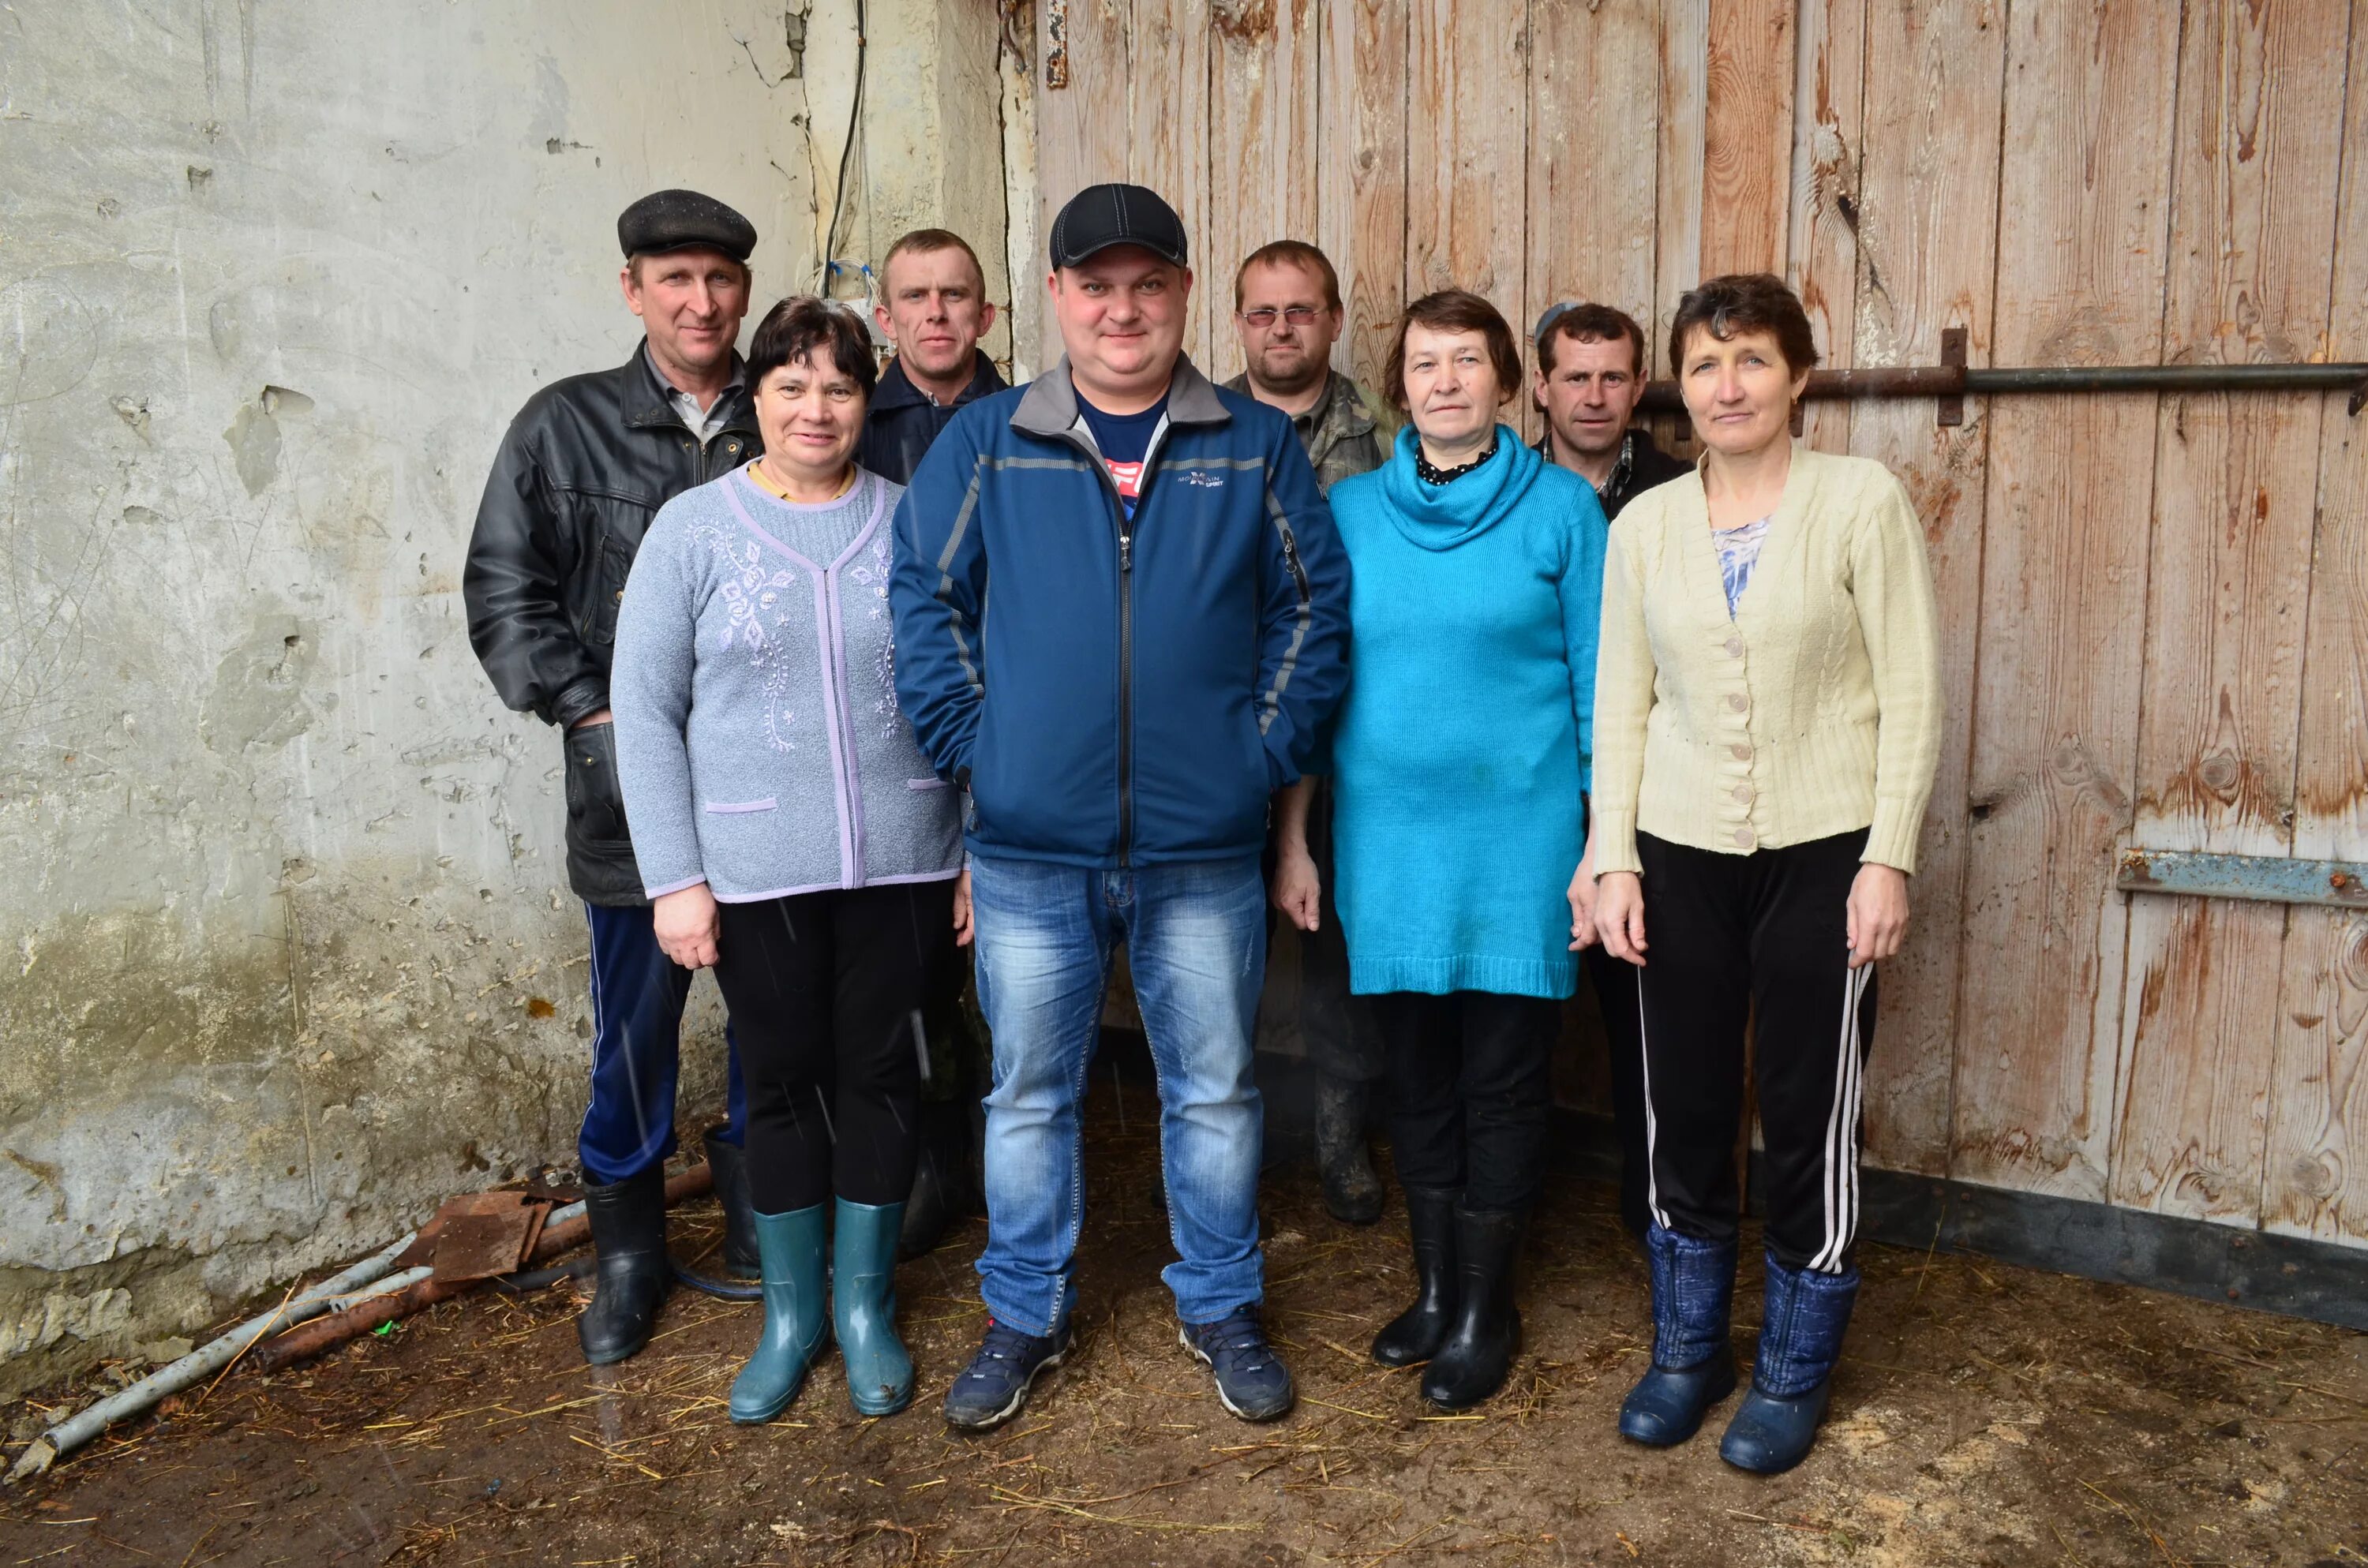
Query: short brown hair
[[1745, 302], [923, 241], [1290, 253], [1455, 310], [1591, 323], [793, 329]]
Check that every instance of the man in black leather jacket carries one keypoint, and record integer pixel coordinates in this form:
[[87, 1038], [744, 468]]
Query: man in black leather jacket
[[584, 466]]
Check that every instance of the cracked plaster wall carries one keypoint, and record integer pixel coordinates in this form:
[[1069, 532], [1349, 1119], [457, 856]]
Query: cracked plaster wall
[[286, 954]]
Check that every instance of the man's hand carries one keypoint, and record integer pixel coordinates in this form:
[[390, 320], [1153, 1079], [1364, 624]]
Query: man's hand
[[1620, 916], [1298, 891], [965, 926], [601, 717], [1582, 899], [1878, 913], [686, 925]]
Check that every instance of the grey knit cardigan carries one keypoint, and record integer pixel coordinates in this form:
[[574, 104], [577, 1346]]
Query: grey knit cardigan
[[759, 743]]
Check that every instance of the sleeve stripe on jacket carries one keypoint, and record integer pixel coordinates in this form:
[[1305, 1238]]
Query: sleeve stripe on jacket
[[1271, 703]]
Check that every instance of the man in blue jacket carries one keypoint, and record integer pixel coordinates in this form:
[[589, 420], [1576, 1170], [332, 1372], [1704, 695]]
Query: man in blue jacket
[[1169, 631]]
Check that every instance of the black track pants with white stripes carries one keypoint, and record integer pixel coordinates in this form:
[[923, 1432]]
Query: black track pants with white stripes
[[1757, 940]]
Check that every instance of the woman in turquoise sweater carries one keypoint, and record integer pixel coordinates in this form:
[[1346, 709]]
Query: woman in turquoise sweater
[[1460, 765]]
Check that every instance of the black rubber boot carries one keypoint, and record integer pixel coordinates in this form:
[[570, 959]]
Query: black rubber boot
[[1416, 1333], [628, 1220], [729, 1162], [1479, 1350], [943, 1190], [1352, 1193]]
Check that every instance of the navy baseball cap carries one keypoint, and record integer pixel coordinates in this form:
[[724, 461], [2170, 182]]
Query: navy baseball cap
[[1101, 216], [1552, 314]]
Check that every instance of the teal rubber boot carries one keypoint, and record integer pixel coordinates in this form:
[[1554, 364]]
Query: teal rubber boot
[[864, 1308], [790, 1256]]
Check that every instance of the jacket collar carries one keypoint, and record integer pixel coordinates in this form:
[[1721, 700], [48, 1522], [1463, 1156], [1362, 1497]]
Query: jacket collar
[[1340, 412], [1048, 406], [647, 393], [896, 389]]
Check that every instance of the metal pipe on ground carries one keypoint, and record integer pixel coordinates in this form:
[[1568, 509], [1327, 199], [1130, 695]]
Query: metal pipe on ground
[[329, 1294], [565, 1228]]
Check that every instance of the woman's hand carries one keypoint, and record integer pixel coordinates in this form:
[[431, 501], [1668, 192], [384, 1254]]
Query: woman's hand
[[963, 927], [685, 922], [1620, 916], [1878, 913], [1582, 899], [1298, 890]]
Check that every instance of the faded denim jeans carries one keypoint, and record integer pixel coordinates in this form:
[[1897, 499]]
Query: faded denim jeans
[[1195, 935]]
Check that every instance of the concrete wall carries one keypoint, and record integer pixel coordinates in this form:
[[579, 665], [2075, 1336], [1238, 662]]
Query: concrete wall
[[289, 953]]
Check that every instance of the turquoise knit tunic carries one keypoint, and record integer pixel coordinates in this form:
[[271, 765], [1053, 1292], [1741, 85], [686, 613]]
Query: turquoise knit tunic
[[1460, 757]]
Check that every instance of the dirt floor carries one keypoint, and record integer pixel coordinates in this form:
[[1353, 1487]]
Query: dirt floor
[[1984, 1414]]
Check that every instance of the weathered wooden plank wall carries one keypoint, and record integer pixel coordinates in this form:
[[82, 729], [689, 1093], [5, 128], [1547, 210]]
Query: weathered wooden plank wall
[[2155, 609]]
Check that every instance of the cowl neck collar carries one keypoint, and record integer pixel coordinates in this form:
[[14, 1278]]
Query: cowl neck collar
[[1440, 517]]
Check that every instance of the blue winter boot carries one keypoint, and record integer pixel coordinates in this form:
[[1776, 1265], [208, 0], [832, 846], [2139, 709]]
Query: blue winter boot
[[1800, 1340], [789, 1263], [864, 1308], [1693, 1367]]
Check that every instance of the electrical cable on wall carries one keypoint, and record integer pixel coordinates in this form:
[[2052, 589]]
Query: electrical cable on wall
[[846, 154]]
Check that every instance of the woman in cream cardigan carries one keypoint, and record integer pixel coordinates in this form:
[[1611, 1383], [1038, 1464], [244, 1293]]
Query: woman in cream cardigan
[[1767, 721]]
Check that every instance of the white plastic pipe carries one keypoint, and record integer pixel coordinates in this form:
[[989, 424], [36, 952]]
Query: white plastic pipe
[[332, 1294]]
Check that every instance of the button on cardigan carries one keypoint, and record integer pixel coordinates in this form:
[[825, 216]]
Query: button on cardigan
[[1815, 710]]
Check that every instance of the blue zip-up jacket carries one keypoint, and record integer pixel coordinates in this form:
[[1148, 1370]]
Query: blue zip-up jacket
[[1126, 692]]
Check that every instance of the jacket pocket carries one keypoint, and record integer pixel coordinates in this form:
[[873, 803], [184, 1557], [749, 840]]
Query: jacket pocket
[[595, 804], [926, 784], [616, 565], [737, 808]]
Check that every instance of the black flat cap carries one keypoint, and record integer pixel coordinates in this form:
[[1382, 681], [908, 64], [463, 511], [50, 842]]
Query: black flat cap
[[1101, 216], [684, 220]]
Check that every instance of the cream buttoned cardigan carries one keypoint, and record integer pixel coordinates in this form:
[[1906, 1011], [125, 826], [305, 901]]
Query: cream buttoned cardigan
[[1814, 711]]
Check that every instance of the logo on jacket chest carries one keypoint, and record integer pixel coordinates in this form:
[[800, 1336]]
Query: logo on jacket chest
[[1202, 479]]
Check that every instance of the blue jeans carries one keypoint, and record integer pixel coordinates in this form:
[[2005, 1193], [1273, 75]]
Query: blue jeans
[[1195, 935], [637, 998]]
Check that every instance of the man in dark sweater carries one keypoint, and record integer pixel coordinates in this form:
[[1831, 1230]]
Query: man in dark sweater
[[1590, 376], [935, 309]]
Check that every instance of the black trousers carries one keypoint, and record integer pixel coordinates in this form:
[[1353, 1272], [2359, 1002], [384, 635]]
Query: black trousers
[[1469, 1091], [1756, 941], [1616, 997], [1337, 1026], [828, 992]]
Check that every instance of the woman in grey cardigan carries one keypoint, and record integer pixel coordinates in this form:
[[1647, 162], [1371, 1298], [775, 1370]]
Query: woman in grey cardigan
[[790, 834]]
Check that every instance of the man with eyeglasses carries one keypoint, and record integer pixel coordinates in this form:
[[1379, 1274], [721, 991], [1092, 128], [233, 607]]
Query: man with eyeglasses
[[1287, 311]]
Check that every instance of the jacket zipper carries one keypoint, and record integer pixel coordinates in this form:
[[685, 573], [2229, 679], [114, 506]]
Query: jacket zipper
[[1291, 559], [1125, 528]]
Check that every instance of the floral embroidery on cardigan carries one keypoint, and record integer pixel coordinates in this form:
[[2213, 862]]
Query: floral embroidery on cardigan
[[751, 590]]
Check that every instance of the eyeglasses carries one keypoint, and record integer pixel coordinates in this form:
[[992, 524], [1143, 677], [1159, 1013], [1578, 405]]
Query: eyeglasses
[[1263, 317]]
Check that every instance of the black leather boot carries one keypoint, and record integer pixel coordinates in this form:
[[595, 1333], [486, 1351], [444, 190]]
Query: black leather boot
[[1352, 1193], [1479, 1350], [729, 1162], [628, 1220], [1416, 1333]]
